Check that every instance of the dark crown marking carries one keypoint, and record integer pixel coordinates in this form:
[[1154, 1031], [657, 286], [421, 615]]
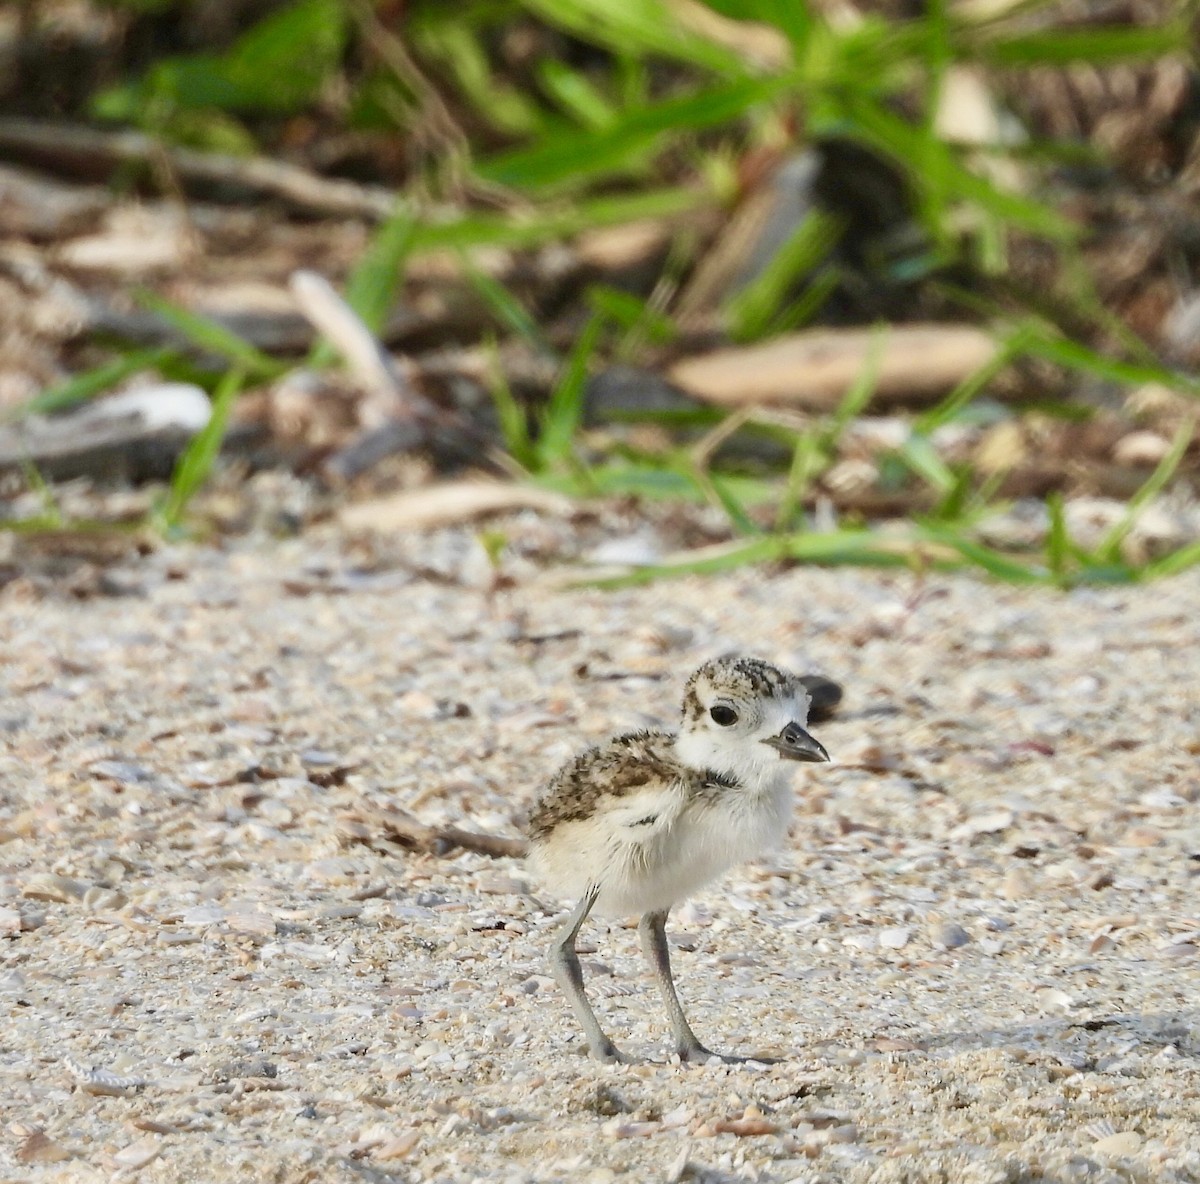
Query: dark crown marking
[[744, 678]]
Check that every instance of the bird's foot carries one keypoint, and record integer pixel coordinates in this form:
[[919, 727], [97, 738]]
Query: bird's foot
[[697, 1054], [609, 1054]]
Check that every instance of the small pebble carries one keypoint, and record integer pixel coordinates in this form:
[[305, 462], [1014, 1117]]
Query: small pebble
[[983, 824], [125, 772], [1140, 448], [137, 1155], [1053, 999], [45, 886], [1017, 884], [951, 936], [1142, 836], [250, 920], [501, 885], [37, 1147], [1180, 949], [399, 1147], [1120, 1143], [104, 899], [894, 938]]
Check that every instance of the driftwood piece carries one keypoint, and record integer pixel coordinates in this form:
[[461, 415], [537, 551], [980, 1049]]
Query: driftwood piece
[[367, 822], [85, 151], [447, 504], [33, 206], [394, 415], [372, 447], [389, 395], [137, 434], [815, 369]]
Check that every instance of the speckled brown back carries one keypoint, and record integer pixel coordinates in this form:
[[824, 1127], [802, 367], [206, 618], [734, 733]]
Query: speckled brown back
[[619, 766], [615, 768]]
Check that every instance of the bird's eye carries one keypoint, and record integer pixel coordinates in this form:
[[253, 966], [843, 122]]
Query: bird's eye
[[725, 716]]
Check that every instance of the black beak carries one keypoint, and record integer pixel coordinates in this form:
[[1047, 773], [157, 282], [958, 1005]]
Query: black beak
[[795, 744]]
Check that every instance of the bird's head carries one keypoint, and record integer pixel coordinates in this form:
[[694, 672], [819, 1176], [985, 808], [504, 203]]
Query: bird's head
[[742, 717]]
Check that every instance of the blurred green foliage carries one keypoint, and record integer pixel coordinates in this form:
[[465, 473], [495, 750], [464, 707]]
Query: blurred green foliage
[[526, 121]]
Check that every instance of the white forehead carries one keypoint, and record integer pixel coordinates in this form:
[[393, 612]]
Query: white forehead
[[770, 693], [780, 710]]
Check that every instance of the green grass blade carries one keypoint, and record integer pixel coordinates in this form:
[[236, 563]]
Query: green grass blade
[[616, 480], [1076, 356], [576, 156], [634, 316], [810, 302], [834, 549], [506, 308], [921, 458], [704, 561], [374, 282], [575, 94], [952, 405], [194, 466], [277, 65], [752, 311], [372, 286], [636, 26], [458, 46], [514, 423], [813, 449], [808, 459], [1110, 548], [791, 18], [51, 517], [1058, 550], [1095, 47], [995, 563], [937, 56], [842, 547], [892, 135], [532, 229], [955, 501], [742, 522], [855, 400], [81, 387], [652, 481], [1174, 563], [212, 337], [565, 409]]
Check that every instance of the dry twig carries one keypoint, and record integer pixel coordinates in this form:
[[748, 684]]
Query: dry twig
[[77, 150], [398, 826]]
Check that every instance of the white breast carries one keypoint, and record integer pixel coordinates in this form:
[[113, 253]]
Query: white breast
[[643, 867]]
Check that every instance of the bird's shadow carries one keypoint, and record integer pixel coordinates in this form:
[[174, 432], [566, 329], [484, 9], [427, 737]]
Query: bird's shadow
[[1125, 1032], [1093, 1044]]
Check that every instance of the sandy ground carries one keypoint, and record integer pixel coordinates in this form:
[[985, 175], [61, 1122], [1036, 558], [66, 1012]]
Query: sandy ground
[[978, 953]]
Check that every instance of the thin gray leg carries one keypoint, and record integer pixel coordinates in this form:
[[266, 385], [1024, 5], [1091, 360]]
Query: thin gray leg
[[564, 962], [653, 931]]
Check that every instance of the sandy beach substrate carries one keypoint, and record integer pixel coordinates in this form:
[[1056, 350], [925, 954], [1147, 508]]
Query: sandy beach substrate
[[978, 952]]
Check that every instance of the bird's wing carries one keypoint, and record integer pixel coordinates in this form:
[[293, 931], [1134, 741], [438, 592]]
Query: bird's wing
[[631, 787], [644, 813]]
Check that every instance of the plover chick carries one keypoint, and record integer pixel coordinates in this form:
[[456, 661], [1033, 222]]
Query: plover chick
[[641, 821]]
